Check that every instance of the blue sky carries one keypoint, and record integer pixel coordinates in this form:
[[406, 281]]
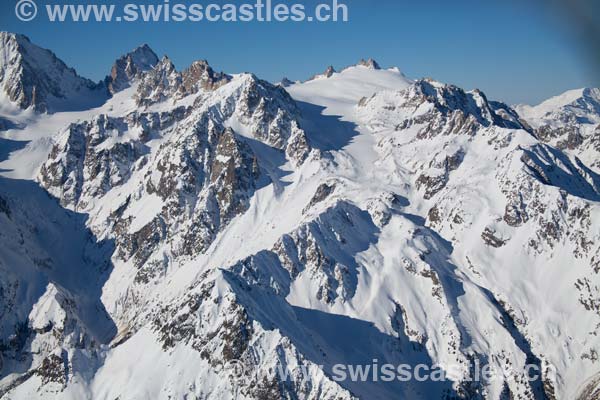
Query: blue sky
[[515, 51]]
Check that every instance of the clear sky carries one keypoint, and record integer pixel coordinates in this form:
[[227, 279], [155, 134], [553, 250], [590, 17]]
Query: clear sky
[[515, 51]]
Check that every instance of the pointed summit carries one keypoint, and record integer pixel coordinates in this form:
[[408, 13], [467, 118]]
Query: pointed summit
[[370, 63], [164, 81], [327, 74], [33, 77], [129, 67], [285, 82], [200, 75]]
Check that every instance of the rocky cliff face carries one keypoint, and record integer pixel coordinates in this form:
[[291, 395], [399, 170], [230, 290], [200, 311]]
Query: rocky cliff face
[[32, 77], [130, 68], [205, 235], [165, 82]]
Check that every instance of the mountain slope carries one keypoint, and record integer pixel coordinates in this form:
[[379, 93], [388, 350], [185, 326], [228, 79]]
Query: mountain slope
[[34, 77], [130, 67], [570, 122], [226, 238]]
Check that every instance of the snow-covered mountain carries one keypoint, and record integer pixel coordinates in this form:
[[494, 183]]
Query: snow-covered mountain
[[570, 122], [198, 220]]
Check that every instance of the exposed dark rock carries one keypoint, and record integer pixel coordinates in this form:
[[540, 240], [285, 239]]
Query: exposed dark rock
[[434, 215], [130, 67], [4, 208], [165, 82], [370, 63], [35, 77], [54, 369], [490, 238], [323, 192], [327, 74]]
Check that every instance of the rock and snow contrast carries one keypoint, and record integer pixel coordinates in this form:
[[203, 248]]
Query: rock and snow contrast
[[569, 122], [162, 225]]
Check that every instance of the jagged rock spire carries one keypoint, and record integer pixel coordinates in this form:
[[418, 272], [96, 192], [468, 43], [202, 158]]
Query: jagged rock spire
[[130, 67]]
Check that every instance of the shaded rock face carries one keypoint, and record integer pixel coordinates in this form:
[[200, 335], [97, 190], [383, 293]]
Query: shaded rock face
[[91, 158], [275, 116], [323, 192], [490, 238], [285, 82], [317, 251], [179, 323], [550, 194], [51, 319], [204, 182], [130, 67], [569, 136], [202, 174], [158, 84], [437, 175], [231, 332], [33, 77], [203, 177]]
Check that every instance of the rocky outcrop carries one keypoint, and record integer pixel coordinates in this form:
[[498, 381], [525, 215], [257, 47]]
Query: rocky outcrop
[[91, 158], [435, 109], [164, 82], [370, 63], [328, 73], [32, 77], [130, 68], [568, 122]]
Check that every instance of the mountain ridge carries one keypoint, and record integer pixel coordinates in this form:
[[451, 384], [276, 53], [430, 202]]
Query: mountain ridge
[[217, 220]]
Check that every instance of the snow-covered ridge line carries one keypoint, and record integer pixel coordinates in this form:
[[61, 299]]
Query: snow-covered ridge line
[[197, 221]]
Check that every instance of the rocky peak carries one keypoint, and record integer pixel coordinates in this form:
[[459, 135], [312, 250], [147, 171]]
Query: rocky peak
[[201, 76], [568, 121], [158, 84], [33, 77], [370, 63], [273, 115], [453, 98], [130, 67], [164, 81], [285, 82], [165, 64], [327, 74], [438, 108], [585, 109], [579, 106]]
